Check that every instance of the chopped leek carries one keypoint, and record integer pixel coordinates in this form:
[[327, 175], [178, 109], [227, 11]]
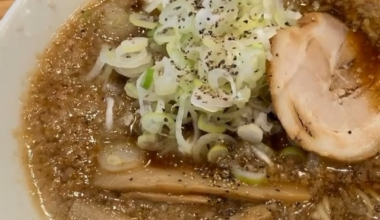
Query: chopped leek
[[154, 122], [215, 66], [142, 20], [217, 152], [131, 90], [148, 78], [205, 125], [150, 33], [248, 177], [296, 152], [200, 149]]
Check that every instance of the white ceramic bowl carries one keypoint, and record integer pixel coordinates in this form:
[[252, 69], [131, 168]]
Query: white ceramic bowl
[[25, 31]]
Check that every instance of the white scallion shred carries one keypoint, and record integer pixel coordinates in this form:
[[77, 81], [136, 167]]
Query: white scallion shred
[[109, 113], [260, 154], [215, 64], [96, 70]]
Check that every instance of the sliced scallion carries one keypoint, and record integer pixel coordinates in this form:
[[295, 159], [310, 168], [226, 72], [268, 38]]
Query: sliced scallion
[[131, 90], [147, 79], [296, 152], [206, 125], [197, 83], [142, 20], [261, 19], [249, 177], [150, 33], [217, 152]]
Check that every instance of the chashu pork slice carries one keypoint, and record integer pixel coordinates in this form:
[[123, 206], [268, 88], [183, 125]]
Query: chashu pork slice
[[323, 85]]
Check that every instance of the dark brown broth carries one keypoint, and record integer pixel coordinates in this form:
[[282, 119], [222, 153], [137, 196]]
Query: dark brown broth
[[63, 129]]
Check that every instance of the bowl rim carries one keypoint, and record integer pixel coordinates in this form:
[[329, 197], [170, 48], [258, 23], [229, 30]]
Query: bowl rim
[[26, 29], [10, 14]]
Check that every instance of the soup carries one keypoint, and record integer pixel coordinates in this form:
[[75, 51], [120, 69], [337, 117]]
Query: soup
[[136, 111]]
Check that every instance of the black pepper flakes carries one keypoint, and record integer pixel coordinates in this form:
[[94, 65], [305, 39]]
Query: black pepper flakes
[[377, 207]]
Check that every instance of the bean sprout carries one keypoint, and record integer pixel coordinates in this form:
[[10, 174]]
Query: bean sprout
[[109, 112]]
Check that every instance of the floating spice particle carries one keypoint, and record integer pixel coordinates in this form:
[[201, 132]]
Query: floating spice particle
[[377, 208]]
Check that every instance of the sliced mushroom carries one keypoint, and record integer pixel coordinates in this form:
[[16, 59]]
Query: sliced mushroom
[[259, 212], [155, 180], [159, 197], [322, 90], [87, 210]]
